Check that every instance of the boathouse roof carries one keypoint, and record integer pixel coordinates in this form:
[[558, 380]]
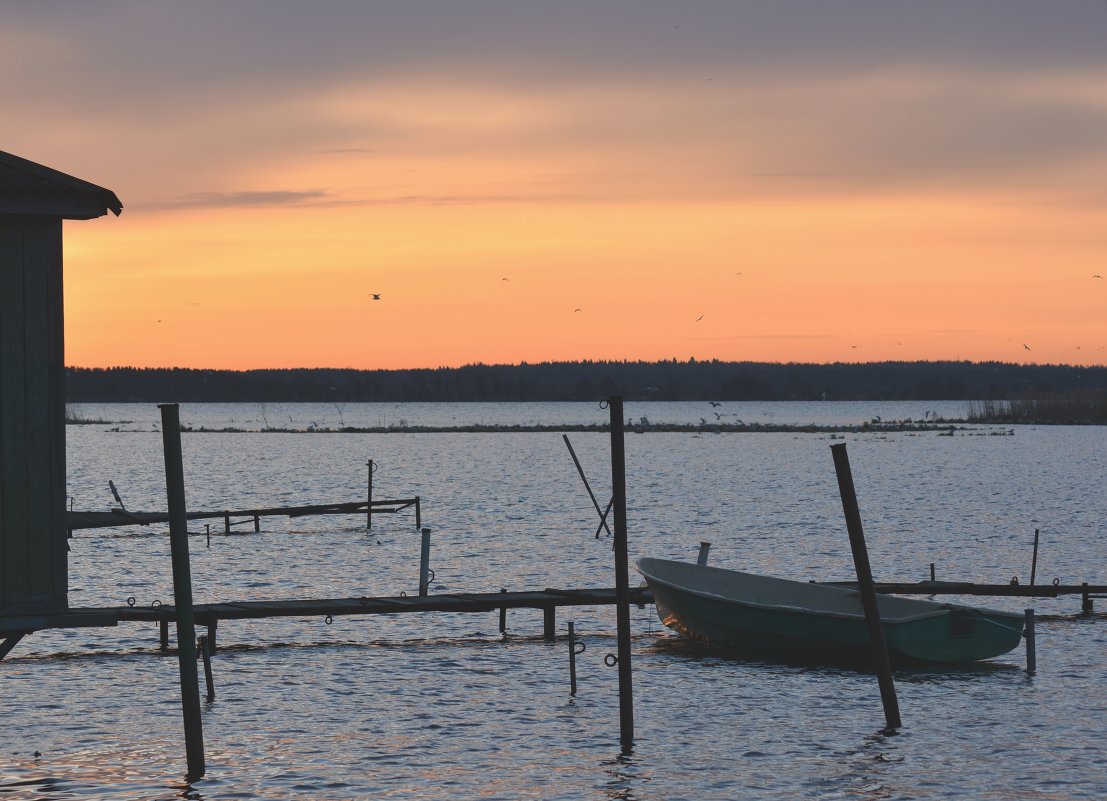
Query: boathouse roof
[[27, 188]]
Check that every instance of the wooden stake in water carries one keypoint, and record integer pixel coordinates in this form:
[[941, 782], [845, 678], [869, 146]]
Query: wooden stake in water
[[204, 647], [622, 579], [574, 652], [1031, 646], [424, 561], [1034, 560], [182, 589], [865, 584], [369, 506], [701, 557]]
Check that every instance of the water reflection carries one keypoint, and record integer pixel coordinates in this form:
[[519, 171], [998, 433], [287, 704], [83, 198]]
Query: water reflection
[[623, 773]]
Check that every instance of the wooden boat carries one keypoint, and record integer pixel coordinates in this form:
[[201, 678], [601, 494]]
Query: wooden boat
[[762, 615]]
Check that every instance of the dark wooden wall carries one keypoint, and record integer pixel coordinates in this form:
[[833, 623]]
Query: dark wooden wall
[[33, 562]]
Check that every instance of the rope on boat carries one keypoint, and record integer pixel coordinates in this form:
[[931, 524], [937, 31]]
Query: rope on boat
[[995, 622]]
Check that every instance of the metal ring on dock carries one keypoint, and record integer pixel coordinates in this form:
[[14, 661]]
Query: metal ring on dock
[[155, 604], [328, 620], [131, 601], [403, 594], [1057, 582], [580, 648], [1014, 581], [611, 660], [432, 575], [364, 600]]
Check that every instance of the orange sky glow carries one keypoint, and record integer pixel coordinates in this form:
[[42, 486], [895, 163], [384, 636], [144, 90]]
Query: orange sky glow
[[942, 204]]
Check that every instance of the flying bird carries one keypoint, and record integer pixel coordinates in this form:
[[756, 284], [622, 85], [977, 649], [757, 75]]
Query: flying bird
[[1026, 346], [576, 310], [1097, 275], [375, 295], [503, 279], [715, 403], [699, 318]]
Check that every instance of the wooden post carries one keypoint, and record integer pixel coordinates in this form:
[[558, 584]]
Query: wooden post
[[213, 628], [1034, 561], [1031, 647], [549, 623], [424, 561], [932, 571], [369, 497], [1086, 607], [622, 580], [257, 524], [587, 486], [503, 616], [701, 558], [163, 633], [182, 589], [865, 585], [226, 523], [418, 514], [204, 647], [573, 659]]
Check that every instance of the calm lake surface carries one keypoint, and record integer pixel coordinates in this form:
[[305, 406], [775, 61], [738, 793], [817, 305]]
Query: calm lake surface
[[440, 706]]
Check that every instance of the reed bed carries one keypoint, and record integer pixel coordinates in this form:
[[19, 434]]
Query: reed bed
[[1080, 408]]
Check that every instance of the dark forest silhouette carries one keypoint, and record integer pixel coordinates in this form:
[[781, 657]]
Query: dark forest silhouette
[[591, 380]]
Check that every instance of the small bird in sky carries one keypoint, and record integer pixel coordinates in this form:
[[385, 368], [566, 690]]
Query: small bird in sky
[[375, 295], [503, 279], [715, 403], [576, 310], [1026, 346], [1097, 275], [699, 318]]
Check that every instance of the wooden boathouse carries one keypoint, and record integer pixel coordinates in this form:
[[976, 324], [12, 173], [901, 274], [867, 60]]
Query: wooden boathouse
[[33, 555]]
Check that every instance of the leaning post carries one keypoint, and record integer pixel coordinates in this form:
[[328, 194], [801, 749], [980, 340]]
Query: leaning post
[[865, 584], [369, 505], [182, 589], [622, 580]]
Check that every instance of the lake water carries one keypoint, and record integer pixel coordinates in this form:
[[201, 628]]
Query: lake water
[[440, 706]]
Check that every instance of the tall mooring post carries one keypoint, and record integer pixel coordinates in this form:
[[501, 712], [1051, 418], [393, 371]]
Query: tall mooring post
[[865, 584], [622, 579], [182, 589]]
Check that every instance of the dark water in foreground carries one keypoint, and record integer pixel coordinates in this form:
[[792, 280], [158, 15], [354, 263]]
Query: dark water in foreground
[[438, 706]]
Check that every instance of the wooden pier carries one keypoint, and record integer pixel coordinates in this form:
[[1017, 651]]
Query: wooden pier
[[548, 600], [119, 516]]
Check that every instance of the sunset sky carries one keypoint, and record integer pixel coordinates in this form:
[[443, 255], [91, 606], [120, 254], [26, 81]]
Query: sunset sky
[[770, 180]]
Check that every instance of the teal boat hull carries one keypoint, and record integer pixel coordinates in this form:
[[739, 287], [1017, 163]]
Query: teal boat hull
[[767, 616]]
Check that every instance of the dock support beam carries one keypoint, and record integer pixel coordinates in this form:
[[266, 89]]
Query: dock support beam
[[203, 645], [622, 579], [865, 584], [701, 557], [549, 623], [182, 589], [424, 561], [1031, 647]]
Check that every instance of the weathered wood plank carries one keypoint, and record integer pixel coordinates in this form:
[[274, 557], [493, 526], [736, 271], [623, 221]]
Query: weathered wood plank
[[56, 403], [13, 413], [38, 570]]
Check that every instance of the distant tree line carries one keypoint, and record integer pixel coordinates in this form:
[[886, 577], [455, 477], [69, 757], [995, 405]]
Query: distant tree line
[[591, 380]]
